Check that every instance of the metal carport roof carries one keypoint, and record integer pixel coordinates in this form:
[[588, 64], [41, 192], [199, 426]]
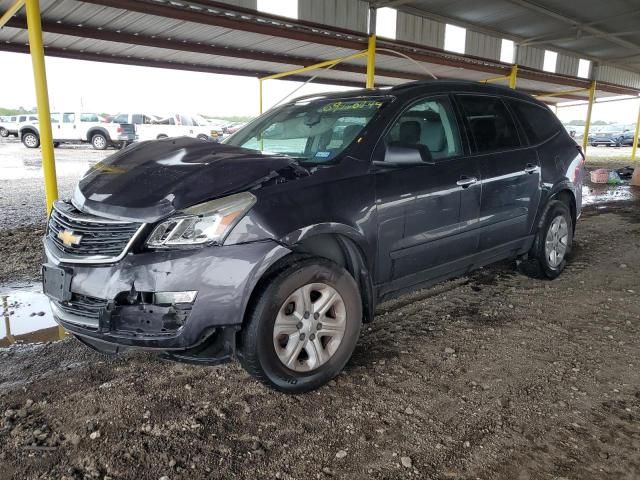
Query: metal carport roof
[[215, 37]]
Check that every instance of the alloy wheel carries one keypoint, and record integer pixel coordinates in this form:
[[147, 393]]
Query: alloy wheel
[[556, 241], [309, 327], [31, 140]]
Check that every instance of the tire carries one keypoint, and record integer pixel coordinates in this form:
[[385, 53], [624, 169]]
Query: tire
[[31, 140], [99, 141], [540, 262], [203, 137], [56, 144], [162, 136], [282, 300], [4, 133]]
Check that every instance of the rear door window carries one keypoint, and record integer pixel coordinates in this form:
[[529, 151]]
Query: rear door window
[[68, 117], [539, 123], [491, 125], [89, 118]]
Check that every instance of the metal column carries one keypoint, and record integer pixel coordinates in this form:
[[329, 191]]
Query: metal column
[[371, 49], [634, 150], [587, 125], [34, 25], [513, 77]]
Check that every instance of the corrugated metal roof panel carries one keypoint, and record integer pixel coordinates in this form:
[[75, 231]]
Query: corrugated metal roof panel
[[420, 30], [567, 65], [484, 46], [530, 57], [349, 14]]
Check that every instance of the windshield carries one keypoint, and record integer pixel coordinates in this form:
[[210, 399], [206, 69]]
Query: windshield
[[314, 131]]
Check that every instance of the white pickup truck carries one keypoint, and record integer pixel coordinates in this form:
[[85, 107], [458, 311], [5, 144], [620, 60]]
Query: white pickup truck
[[154, 127], [79, 127], [11, 124]]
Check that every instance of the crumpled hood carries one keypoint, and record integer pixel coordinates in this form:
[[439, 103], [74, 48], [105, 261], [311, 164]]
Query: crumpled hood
[[151, 180]]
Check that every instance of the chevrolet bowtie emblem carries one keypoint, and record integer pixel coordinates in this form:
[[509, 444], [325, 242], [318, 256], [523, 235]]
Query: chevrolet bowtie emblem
[[68, 238]]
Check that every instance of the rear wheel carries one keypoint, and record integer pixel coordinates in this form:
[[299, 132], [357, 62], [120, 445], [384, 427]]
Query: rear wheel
[[548, 256], [162, 136], [202, 137], [31, 140], [4, 132], [303, 326], [99, 141]]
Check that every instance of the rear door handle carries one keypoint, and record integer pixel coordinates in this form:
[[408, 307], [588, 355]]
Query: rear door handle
[[464, 182], [531, 168]]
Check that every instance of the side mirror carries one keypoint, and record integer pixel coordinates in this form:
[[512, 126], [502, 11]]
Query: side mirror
[[408, 155]]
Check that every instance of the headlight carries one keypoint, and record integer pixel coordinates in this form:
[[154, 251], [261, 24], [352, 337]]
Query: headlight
[[209, 222]]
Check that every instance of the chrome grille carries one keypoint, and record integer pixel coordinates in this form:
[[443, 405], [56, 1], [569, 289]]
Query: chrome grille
[[99, 236], [83, 306]]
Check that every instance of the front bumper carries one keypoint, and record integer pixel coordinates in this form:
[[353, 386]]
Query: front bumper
[[224, 278]]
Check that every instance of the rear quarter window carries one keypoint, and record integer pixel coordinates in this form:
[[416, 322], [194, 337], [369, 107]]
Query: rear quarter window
[[539, 123]]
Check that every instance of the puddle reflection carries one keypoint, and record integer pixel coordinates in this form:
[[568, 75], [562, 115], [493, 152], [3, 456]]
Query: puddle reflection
[[595, 193], [26, 318]]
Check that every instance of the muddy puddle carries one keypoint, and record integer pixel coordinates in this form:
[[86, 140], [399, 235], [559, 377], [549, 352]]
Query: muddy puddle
[[25, 316], [594, 193]]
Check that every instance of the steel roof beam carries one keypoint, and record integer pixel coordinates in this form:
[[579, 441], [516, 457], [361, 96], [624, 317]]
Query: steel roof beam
[[191, 47], [571, 21], [190, 67]]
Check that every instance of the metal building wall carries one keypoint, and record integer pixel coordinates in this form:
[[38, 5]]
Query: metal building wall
[[567, 65], [421, 30], [481, 45], [530, 57], [618, 76], [251, 4], [350, 14]]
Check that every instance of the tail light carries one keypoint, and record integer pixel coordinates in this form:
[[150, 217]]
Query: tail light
[[119, 130]]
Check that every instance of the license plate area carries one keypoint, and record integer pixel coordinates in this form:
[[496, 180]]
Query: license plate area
[[56, 282]]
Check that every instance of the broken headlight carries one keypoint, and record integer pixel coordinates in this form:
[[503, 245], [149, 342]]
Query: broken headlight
[[206, 223]]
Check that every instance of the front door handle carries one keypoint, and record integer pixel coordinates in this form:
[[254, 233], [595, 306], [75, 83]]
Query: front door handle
[[531, 168], [464, 182]]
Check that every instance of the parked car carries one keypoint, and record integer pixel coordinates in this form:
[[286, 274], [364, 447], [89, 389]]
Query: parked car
[[277, 245], [154, 127], [11, 124], [612, 136], [79, 127]]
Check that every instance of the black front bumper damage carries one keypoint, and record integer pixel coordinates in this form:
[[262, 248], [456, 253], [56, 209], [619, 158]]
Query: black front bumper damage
[[218, 349], [140, 325]]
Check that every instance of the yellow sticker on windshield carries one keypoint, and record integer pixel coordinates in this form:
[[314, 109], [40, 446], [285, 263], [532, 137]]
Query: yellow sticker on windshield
[[348, 106]]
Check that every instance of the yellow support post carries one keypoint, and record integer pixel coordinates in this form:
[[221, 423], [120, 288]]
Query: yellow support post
[[587, 125], [371, 61], [513, 77], [34, 25], [11, 11], [634, 150]]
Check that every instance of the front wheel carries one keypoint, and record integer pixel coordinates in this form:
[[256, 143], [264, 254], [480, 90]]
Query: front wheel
[[31, 140], [302, 327], [4, 132], [99, 141], [548, 256]]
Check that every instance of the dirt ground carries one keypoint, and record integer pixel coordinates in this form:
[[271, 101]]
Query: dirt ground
[[491, 376]]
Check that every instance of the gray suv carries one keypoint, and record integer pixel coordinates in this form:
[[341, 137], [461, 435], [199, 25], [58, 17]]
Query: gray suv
[[276, 246]]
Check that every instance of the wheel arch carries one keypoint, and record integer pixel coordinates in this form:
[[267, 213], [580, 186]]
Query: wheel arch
[[93, 130], [565, 193], [25, 130], [332, 243]]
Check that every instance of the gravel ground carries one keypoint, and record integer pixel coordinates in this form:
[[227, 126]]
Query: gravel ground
[[490, 376]]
